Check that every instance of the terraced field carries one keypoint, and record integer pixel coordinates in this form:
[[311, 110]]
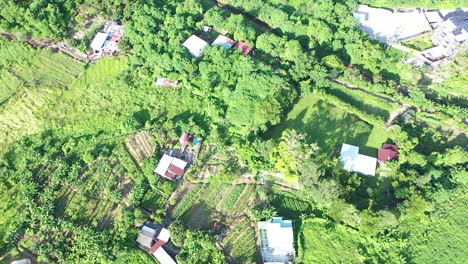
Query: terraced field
[[241, 242]]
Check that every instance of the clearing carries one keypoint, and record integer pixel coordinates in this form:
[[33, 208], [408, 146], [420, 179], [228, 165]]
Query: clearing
[[330, 126]]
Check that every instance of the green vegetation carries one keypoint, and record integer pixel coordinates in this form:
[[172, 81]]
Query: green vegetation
[[272, 125], [325, 242], [421, 43]]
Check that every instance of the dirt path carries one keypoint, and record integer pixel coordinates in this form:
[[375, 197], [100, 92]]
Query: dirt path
[[60, 46]]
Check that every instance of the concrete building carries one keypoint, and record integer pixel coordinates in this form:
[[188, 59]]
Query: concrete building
[[277, 240], [387, 26]]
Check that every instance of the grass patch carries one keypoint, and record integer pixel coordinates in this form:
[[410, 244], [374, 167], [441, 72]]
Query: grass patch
[[330, 126], [321, 241], [421, 43]]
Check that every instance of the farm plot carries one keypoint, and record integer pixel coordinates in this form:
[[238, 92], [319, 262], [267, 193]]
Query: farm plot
[[104, 188], [225, 199], [139, 146], [241, 242], [22, 116], [289, 204]]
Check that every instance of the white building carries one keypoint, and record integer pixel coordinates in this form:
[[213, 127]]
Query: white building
[[355, 162], [387, 26], [277, 239], [195, 45]]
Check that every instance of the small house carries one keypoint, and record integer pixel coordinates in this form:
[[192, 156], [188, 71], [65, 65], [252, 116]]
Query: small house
[[161, 81], [105, 43], [223, 41], [354, 162], [244, 47], [277, 240], [388, 152], [195, 45], [171, 167], [148, 241]]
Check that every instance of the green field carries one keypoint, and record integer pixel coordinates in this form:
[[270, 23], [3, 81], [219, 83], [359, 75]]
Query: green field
[[326, 242], [330, 126]]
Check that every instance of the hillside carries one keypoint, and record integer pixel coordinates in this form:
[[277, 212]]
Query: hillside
[[106, 125]]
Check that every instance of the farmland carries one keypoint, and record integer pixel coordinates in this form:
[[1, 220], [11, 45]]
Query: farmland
[[79, 142]]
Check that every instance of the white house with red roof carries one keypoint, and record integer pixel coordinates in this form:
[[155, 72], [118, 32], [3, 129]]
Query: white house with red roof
[[148, 241], [171, 167]]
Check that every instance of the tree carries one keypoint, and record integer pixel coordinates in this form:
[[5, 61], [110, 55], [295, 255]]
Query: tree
[[292, 151], [199, 248]]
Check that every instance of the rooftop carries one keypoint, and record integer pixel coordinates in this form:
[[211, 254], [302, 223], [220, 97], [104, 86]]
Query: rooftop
[[170, 167], [245, 48], [277, 239], [386, 26], [223, 41], [355, 162], [195, 45]]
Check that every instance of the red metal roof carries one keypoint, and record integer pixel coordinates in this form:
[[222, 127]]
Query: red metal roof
[[114, 38], [176, 170], [170, 175], [245, 48], [156, 246], [388, 152]]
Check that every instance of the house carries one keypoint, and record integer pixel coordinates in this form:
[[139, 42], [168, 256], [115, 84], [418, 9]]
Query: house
[[148, 241], [223, 41], [388, 152], [244, 47], [161, 81], [171, 167], [355, 162], [146, 237], [195, 45], [277, 240], [105, 43]]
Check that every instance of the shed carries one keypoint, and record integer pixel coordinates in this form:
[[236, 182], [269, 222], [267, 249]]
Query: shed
[[195, 45], [98, 41], [161, 81], [245, 48], [223, 41], [388, 152]]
